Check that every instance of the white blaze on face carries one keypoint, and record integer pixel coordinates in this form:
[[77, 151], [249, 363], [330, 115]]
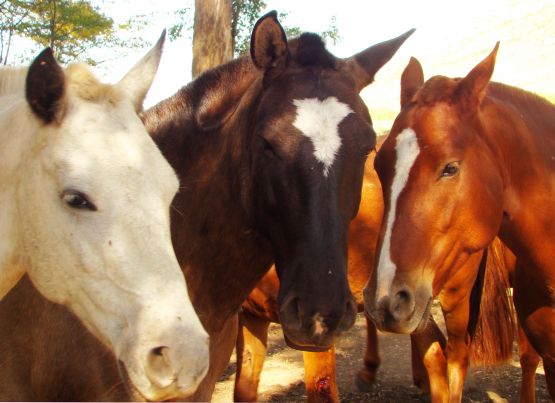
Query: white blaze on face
[[319, 121], [407, 150]]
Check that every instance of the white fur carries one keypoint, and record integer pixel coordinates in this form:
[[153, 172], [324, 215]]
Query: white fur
[[114, 267], [319, 121], [407, 151], [319, 326]]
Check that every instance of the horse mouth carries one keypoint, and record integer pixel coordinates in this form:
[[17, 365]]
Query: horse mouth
[[304, 347], [384, 320]]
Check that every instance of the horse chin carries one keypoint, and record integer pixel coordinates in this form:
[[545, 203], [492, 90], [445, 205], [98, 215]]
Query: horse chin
[[425, 317], [305, 347]]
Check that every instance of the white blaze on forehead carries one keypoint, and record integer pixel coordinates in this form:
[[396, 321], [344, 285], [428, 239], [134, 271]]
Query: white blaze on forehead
[[319, 121], [407, 150]]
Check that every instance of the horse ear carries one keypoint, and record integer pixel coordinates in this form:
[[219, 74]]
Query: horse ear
[[365, 65], [138, 80], [45, 87], [411, 80], [471, 90], [268, 43]]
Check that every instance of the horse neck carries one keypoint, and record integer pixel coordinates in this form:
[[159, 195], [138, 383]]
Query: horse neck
[[222, 256], [18, 130], [520, 131]]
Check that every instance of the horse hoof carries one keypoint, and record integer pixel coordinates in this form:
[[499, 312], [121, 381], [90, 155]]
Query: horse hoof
[[422, 385], [364, 384]]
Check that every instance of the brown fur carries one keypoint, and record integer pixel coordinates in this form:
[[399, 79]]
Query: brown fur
[[504, 139], [33, 353], [210, 134]]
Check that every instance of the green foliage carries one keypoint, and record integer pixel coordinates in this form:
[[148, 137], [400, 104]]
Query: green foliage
[[74, 29], [13, 17], [70, 28], [246, 12]]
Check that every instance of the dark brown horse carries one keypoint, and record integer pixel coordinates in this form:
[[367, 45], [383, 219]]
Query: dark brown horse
[[467, 160], [261, 308], [270, 153]]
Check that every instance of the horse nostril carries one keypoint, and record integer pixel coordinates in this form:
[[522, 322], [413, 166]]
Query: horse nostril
[[290, 313], [349, 316], [402, 305], [158, 367]]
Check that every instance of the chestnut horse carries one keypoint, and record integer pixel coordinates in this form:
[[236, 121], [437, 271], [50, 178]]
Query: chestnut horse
[[467, 160], [84, 200], [270, 152]]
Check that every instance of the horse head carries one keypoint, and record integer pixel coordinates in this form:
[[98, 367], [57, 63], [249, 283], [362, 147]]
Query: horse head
[[310, 139], [93, 194], [442, 193]]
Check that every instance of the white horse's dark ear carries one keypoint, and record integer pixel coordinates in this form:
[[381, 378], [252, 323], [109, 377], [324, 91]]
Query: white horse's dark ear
[[45, 87], [268, 42], [411, 80], [364, 65], [138, 80], [471, 90]]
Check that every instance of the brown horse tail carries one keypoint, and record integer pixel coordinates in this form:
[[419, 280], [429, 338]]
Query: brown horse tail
[[492, 322]]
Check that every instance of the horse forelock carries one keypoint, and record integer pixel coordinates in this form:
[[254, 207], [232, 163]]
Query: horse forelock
[[437, 89], [309, 50], [83, 84]]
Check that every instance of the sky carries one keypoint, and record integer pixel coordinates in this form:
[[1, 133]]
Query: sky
[[451, 37]]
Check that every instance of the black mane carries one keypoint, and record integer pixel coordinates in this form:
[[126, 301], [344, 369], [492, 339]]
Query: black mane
[[309, 50]]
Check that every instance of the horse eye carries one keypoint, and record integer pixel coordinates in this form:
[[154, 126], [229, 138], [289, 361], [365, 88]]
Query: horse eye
[[451, 169], [77, 200], [268, 147]]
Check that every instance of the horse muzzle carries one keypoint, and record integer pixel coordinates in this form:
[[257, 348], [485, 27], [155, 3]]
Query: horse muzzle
[[402, 311], [314, 331]]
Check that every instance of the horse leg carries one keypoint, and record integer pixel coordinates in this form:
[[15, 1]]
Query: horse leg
[[534, 298], [367, 375], [319, 375], [429, 361], [251, 346], [529, 361], [458, 346]]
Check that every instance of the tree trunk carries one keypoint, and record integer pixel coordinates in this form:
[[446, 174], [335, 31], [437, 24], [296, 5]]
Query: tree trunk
[[212, 44], [53, 16]]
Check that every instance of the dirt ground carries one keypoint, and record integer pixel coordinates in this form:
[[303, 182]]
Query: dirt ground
[[282, 378]]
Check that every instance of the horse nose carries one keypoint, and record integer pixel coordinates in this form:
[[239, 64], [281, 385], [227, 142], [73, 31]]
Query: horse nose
[[167, 368], [290, 314], [349, 316], [159, 367], [402, 305]]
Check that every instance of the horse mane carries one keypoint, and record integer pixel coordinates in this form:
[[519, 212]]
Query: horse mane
[[309, 50], [442, 89], [526, 102]]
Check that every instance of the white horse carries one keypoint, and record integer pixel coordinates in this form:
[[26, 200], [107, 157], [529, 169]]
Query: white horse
[[84, 211]]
